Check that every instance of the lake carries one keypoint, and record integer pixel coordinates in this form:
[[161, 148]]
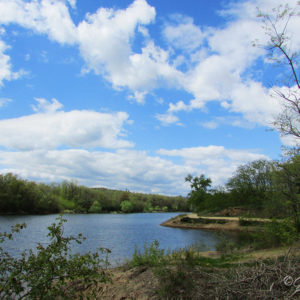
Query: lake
[[118, 232]]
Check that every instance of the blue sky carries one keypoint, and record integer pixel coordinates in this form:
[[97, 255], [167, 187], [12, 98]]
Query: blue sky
[[136, 94]]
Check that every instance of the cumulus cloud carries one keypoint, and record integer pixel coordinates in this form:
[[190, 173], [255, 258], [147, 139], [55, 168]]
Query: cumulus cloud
[[224, 73], [167, 119], [127, 169], [105, 44], [255, 102], [45, 106], [6, 72], [49, 129], [216, 162], [124, 169], [44, 17], [183, 34], [104, 38]]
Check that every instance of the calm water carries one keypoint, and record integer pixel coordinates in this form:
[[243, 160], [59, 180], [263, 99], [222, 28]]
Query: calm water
[[118, 232]]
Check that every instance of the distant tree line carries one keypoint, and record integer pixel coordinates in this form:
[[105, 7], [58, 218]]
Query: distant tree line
[[21, 196], [270, 188]]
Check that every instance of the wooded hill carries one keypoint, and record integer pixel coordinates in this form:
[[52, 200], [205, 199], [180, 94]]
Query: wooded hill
[[19, 196]]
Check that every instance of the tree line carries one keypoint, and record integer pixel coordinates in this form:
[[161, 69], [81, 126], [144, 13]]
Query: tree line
[[268, 188], [27, 197]]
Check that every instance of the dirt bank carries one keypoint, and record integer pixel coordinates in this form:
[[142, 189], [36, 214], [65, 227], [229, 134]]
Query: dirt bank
[[193, 221]]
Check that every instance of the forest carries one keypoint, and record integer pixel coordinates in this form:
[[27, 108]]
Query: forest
[[19, 196], [263, 188]]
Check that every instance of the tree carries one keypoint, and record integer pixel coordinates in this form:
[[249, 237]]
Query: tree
[[127, 206], [199, 188], [288, 185], [280, 50], [51, 272], [252, 183]]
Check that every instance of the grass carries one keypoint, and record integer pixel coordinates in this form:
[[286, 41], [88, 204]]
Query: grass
[[186, 274]]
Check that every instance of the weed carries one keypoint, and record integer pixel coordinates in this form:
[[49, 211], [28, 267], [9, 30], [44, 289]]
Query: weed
[[151, 255]]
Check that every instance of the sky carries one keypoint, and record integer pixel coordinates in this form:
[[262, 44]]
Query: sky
[[136, 94]]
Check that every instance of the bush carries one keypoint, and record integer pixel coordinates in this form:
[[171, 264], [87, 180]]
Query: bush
[[52, 272], [175, 282], [271, 234], [249, 222], [126, 206], [95, 208], [277, 233], [152, 255]]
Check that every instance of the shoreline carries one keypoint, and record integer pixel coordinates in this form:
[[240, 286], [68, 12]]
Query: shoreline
[[213, 223]]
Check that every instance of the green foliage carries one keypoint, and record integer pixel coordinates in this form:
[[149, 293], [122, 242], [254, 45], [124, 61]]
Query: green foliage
[[175, 270], [287, 180], [270, 188], [151, 256], [66, 204], [252, 183], [250, 222], [126, 206], [267, 235], [275, 233], [165, 209], [96, 207], [52, 271], [199, 188], [20, 196]]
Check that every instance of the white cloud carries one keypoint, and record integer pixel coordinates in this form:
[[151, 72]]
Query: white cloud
[[49, 17], [72, 3], [184, 34], [44, 106], [290, 141], [6, 72], [127, 169], [224, 73], [4, 101], [255, 102], [124, 169], [49, 129], [210, 124], [216, 162], [105, 40], [167, 119], [139, 97], [180, 105]]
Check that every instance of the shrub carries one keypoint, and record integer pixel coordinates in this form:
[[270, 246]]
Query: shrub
[[151, 256], [96, 207], [249, 222], [52, 271], [126, 206], [277, 233]]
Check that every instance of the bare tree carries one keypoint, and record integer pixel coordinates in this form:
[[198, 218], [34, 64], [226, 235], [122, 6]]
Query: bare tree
[[280, 50]]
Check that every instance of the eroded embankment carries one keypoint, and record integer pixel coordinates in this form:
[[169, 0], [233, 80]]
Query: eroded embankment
[[193, 221]]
